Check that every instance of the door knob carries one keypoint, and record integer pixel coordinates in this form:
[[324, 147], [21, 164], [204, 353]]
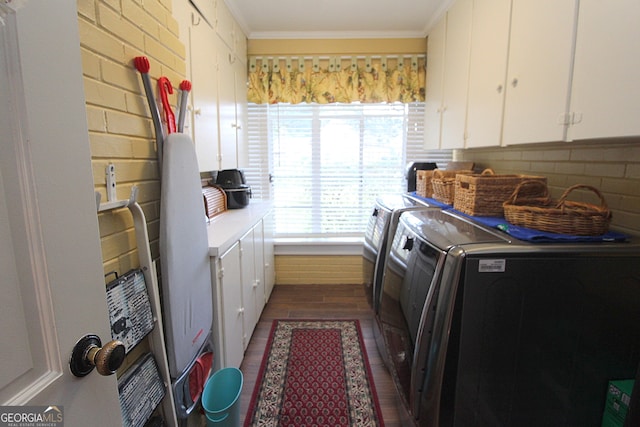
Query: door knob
[[88, 353]]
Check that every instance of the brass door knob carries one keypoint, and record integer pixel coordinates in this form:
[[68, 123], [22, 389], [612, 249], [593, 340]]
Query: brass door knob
[[89, 353]]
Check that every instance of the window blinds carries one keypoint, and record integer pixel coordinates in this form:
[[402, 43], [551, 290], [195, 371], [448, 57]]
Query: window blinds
[[322, 165]]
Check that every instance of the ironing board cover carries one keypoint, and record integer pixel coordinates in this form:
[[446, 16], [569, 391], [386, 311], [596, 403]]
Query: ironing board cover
[[184, 254]]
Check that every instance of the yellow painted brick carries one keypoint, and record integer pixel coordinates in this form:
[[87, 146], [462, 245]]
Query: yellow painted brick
[[120, 75], [114, 221], [157, 11], [135, 170], [101, 95], [171, 41], [148, 191], [140, 18], [137, 104], [96, 120], [110, 146], [129, 261], [90, 64], [113, 23], [160, 53], [119, 243], [127, 124], [101, 42], [114, 4], [87, 9], [144, 149], [167, 4], [174, 26], [109, 266]]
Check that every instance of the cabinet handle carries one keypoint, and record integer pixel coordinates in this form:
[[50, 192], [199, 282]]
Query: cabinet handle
[[514, 82], [241, 310], [499, 88], [197, 111]]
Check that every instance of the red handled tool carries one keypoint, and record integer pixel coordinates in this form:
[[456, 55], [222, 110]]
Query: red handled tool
[[165, 88], [185, 87]]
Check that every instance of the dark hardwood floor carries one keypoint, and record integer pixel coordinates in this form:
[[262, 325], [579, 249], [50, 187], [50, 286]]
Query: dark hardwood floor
[[319, 302]]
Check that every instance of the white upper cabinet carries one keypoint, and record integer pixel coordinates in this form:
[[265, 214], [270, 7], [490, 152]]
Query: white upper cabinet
[[232, 108], [204, 76], [434, 85], [539, 70], [605, 99], [487, 72], [456, 78]]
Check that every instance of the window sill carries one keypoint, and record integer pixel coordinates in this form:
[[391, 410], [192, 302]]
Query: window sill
[[318, 246]]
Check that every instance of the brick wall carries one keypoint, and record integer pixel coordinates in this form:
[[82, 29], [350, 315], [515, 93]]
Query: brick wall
[[612, 166], [318, 269], [112, 33]]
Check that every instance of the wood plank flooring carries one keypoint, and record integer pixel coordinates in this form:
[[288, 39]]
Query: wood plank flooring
[[319, 302]]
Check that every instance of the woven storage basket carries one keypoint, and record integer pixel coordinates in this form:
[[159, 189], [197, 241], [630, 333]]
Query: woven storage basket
[[215, 200], [561, 216], [423, 183], [444, 184], [484, 194]]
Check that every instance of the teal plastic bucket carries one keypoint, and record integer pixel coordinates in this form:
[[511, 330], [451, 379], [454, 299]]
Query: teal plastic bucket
[[220, 398]]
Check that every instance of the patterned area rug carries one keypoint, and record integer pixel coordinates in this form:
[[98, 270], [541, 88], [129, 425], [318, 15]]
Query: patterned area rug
[[314, 373]]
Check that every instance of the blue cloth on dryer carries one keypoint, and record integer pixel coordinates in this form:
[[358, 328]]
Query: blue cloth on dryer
[[538, 236]]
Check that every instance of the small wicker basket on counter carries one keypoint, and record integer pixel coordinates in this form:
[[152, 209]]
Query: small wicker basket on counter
[[562, 216], [444, 184], [423, 183], [483, 194]]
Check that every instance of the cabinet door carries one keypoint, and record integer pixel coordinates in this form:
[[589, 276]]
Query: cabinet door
[[240, 96], [247, 262], [204, 95], [258, 255], [269, 256], [487, 72], [456, 79], [227, 107], [232, 307], [433, 96], [538, 75], [605, 98]]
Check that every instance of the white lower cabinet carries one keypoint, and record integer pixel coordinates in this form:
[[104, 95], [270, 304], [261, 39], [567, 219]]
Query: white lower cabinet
[[268, 255], [229, 309], [240, 293]]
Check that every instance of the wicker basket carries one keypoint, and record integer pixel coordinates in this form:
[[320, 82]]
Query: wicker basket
[[423, 183], [444, 184], [484, 194], [561, 216]]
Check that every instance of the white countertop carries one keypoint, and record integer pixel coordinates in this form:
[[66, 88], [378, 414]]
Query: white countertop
[[227, 228]]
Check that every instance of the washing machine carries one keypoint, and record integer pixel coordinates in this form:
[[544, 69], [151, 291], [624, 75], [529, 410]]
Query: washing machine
[[382, 223]]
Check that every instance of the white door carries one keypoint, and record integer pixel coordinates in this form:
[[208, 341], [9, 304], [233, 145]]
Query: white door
[[52, 291]]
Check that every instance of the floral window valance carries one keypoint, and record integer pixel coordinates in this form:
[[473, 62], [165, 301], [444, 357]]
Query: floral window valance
[[326, 80]]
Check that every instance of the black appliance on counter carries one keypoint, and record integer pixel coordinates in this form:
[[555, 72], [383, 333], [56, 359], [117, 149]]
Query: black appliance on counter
[[233, 182], [482, 329]]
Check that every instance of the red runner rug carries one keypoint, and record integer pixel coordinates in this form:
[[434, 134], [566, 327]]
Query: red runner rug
[[314, 373]]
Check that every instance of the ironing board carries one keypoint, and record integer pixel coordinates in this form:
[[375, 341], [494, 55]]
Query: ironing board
[[184, 255]]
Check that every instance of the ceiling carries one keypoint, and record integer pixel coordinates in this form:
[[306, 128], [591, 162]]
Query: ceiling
[[281, 19]]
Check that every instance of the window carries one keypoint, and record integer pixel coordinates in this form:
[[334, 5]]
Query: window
[[323, 165]]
